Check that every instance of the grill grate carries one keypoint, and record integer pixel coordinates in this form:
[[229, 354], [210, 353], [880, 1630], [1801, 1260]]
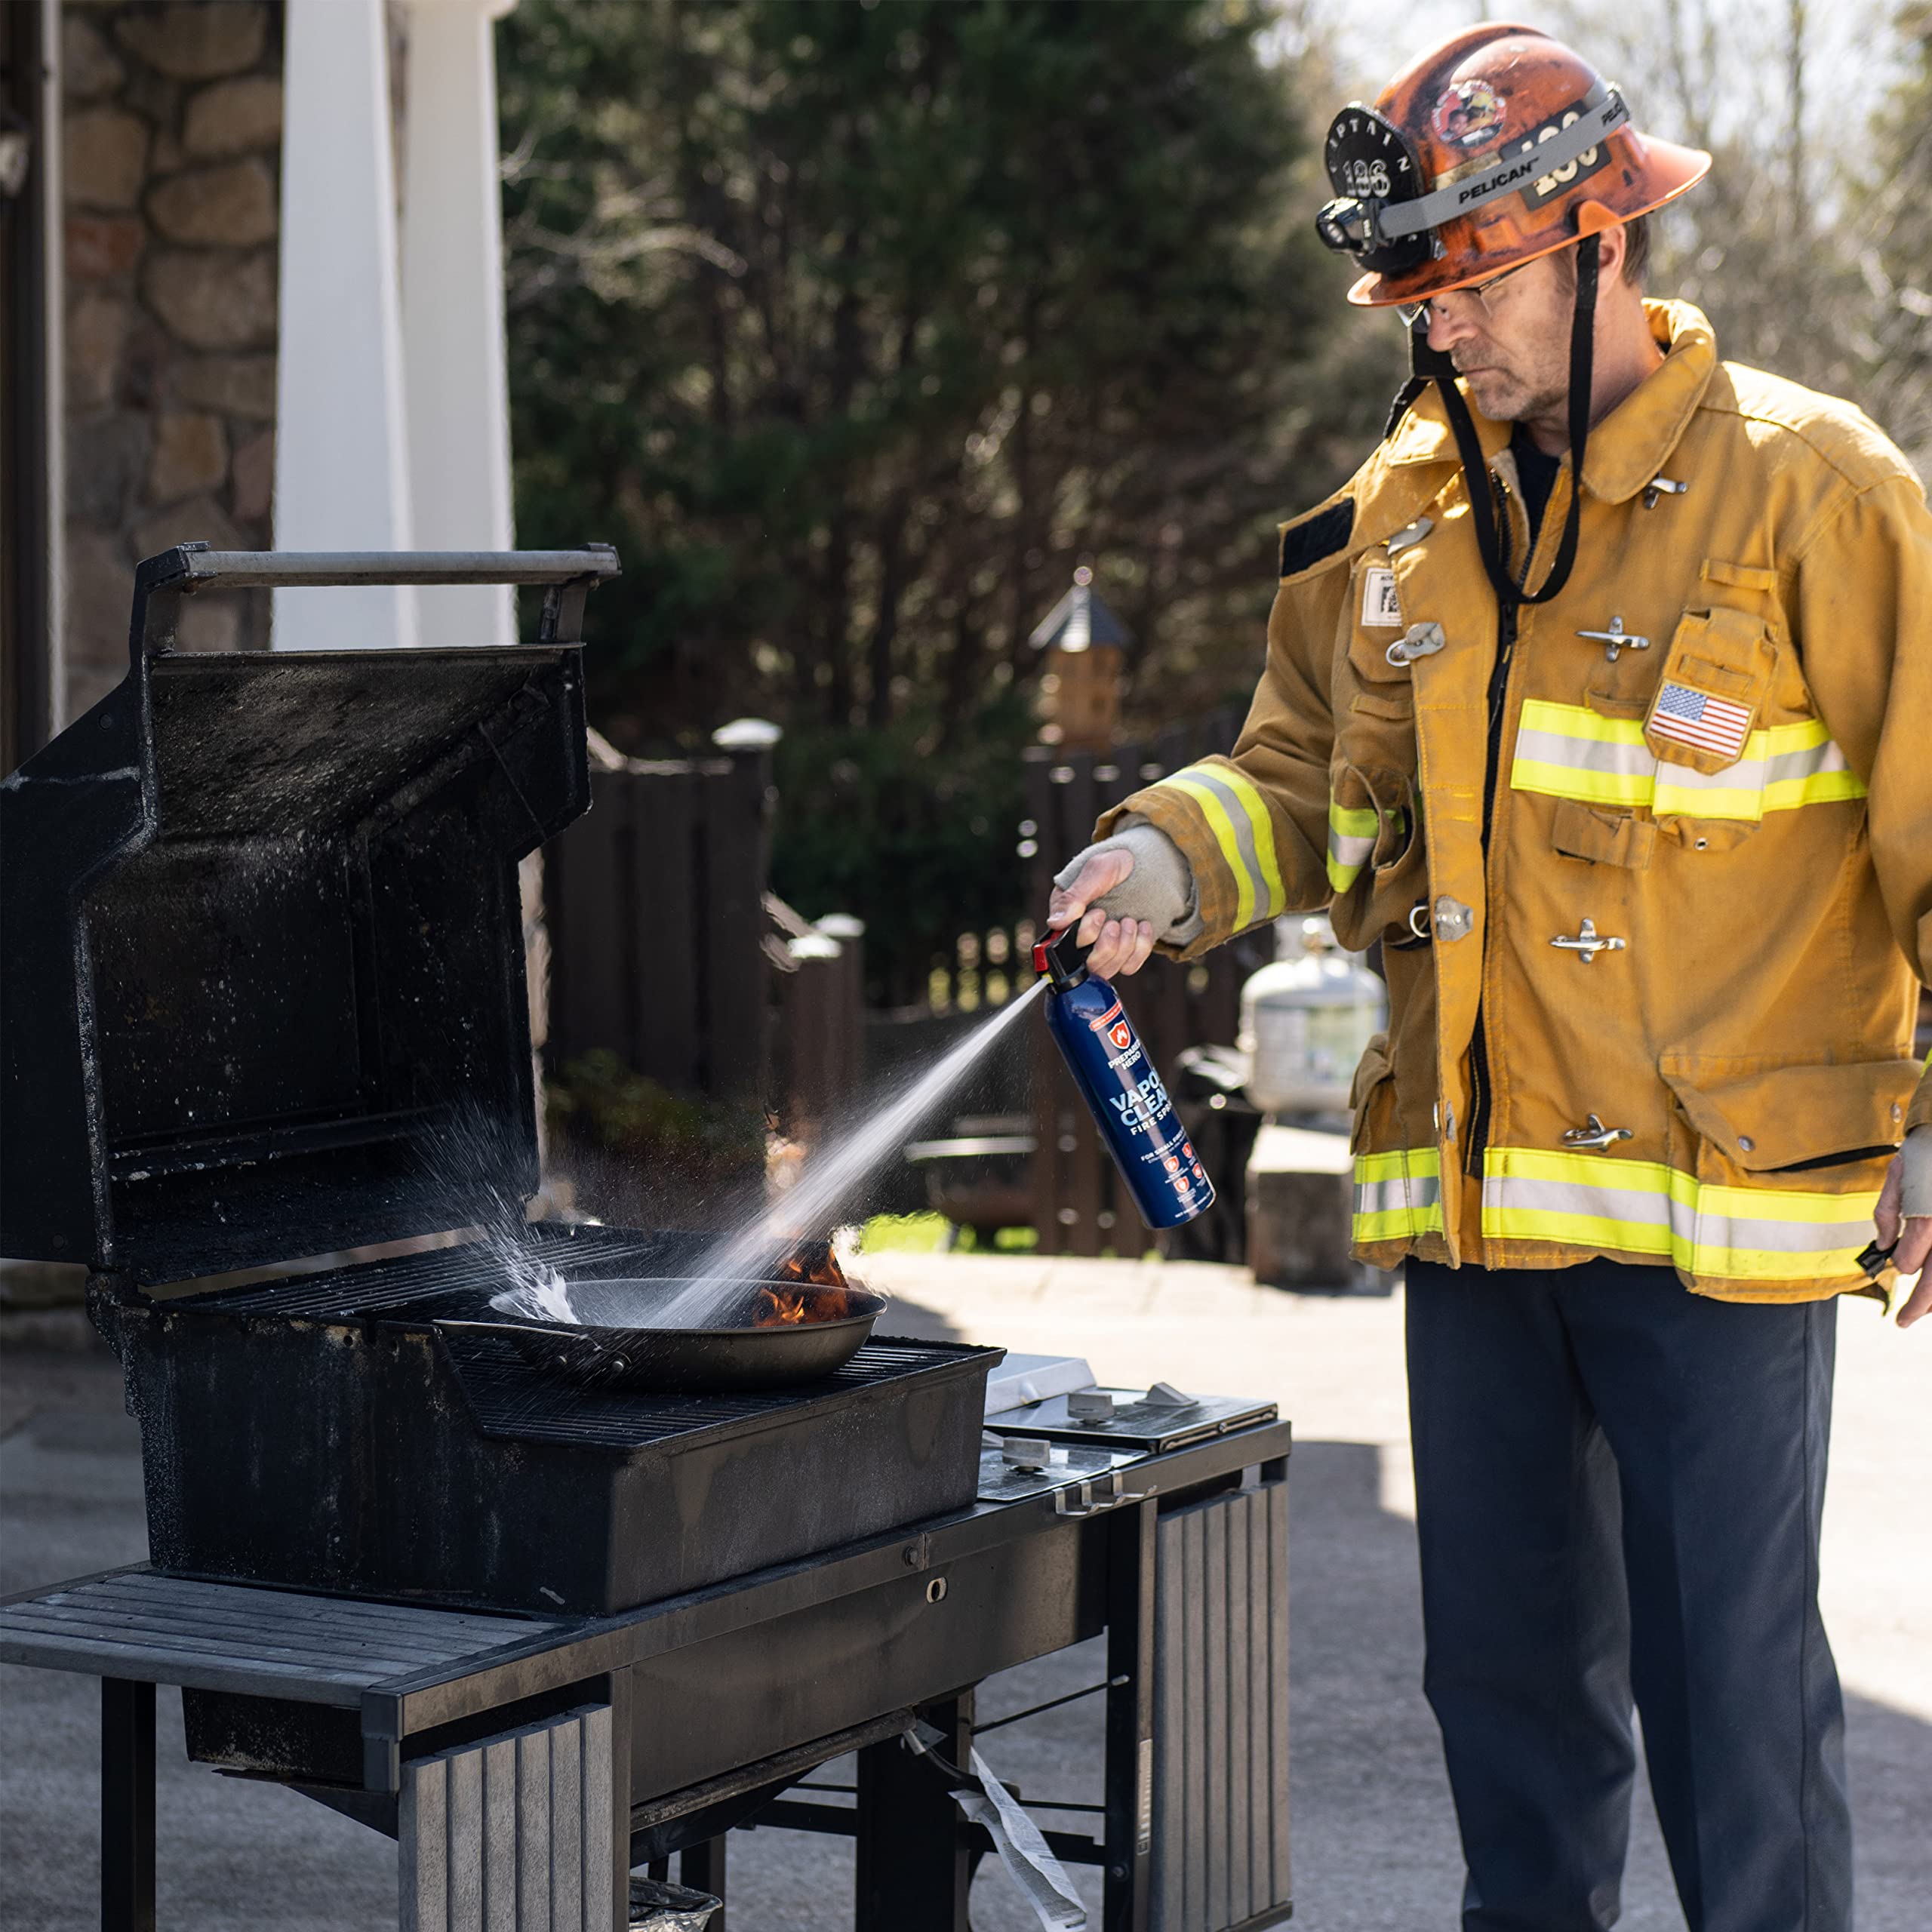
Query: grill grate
[[367, 1286]]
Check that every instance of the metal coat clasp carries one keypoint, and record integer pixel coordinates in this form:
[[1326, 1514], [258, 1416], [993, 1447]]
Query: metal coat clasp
[[1418, 641], [1617, 639], [1595, 1134], [1586, 944]]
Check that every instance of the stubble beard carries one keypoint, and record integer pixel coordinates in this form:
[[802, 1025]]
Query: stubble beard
[[1504, 396]]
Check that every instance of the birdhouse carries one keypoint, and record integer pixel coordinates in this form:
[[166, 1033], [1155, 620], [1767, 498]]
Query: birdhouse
[[1080, 686]]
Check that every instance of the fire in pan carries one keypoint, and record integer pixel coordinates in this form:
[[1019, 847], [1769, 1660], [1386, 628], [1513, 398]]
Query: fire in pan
[[798, 1327]]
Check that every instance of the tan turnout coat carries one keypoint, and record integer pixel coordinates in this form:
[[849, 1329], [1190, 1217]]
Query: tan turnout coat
[[1704, 904]]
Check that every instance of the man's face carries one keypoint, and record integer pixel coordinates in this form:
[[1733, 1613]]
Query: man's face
[[1511, 344]]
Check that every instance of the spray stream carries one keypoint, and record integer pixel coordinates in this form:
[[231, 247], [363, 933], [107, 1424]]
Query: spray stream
[[812, 1202]]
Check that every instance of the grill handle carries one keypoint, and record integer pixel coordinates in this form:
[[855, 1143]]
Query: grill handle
[[162, 581]]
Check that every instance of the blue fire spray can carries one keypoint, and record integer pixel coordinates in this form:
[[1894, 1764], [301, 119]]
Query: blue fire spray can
[[1137, 1122]]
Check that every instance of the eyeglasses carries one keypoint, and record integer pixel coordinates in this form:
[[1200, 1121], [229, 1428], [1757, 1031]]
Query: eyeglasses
[[1412, 312]]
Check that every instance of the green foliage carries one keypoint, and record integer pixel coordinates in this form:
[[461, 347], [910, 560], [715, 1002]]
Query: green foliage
[[909, 1233], [920, 846], [599, 1104], [1807, 244], [934, 1234], [855, 326], [1900, 277]]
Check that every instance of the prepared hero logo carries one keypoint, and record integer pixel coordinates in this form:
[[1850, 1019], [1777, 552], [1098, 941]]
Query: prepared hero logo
[[1121, 1033]]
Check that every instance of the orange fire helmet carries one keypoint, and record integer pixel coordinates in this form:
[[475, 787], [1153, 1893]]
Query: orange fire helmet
[[1500, 145]]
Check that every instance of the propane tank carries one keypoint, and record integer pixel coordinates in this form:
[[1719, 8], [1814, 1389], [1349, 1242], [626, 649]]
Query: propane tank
[[1306, 1019], [1137, 1123]]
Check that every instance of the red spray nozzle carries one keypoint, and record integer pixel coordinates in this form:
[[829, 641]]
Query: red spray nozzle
[[1061, 958]]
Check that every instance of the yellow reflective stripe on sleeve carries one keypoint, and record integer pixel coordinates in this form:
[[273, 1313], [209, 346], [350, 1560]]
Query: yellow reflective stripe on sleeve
[[1568, 751], [1352, 834], [1398, 1195], [1641, 1207], [1268, 866], [1236, 814]]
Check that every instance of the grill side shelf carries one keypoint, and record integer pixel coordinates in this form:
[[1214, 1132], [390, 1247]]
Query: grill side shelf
[[139, 1625]]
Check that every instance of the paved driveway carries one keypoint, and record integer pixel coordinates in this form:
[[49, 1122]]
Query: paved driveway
[[1374, 1844]]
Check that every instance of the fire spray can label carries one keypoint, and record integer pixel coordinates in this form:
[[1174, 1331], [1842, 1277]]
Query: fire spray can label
[[1129, 1103]]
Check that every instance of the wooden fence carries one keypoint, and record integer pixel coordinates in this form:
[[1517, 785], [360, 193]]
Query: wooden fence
[[818, 978], [655, 902], [666, 949], [1079, 1207]]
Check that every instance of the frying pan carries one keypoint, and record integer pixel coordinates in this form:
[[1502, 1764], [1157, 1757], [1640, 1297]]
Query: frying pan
[[616, 1347]]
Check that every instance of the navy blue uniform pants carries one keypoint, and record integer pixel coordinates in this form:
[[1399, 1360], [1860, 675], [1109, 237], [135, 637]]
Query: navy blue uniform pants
[[1618, 1490]]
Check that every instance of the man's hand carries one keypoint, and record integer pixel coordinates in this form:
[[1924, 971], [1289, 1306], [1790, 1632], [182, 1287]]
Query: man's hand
[[1120, 945], [1904, 1216]]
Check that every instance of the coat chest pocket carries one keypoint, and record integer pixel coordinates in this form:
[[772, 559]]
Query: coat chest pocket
[[1370, 686], [1715, 679]]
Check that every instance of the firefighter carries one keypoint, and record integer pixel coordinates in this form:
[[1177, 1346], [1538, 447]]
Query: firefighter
[[1629, 782]]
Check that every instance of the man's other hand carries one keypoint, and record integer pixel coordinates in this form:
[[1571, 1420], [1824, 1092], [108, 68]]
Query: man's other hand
[[1904, 1216], [1120, 945]]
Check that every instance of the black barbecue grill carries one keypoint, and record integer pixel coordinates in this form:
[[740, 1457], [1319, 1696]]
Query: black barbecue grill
[[264, 978], [262, 1000]]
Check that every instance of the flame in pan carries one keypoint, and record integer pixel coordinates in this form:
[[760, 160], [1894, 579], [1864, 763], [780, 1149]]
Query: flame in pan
[[809, 1287]]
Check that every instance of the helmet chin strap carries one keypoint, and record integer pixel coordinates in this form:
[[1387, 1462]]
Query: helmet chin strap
[[1430, 363]]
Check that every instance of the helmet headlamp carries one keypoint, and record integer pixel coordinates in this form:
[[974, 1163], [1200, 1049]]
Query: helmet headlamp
[[1372, 167]]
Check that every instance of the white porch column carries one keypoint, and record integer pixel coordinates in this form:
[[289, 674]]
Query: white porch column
[[341, 466], [453, 310]]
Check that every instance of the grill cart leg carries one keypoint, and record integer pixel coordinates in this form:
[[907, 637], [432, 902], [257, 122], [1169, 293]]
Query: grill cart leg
[[702, 1868], [1130, 1749], [616, 1769], [914, 1868], [127, 1806], [517, 1829]]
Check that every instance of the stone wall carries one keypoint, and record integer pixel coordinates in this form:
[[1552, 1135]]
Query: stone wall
[[173, 145]]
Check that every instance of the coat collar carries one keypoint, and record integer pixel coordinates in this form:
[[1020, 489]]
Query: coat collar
[[1630, 445]]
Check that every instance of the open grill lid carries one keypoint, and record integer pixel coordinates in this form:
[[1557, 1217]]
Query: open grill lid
[[262, 990]]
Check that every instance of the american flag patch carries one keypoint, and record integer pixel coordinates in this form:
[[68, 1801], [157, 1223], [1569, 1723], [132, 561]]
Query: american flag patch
[[1696, 718]]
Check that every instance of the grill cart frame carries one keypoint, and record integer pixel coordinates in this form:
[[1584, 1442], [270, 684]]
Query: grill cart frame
[[1178, 1849]]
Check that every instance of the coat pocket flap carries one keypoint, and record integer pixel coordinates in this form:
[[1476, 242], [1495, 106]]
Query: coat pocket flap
[[1784, 1117], [1604, 838]]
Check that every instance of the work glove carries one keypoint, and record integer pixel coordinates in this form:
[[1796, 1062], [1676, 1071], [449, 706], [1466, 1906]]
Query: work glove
[[1127, 891], [1904, 1216]]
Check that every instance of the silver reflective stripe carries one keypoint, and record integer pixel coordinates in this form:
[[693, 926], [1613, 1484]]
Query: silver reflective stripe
[[1683, 1211], [1348, 850], [1632, 761], [1824, 1232], [1747, 775], [1266, 887], [1399, 1194], [1810, 762], [1640, 1206]]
